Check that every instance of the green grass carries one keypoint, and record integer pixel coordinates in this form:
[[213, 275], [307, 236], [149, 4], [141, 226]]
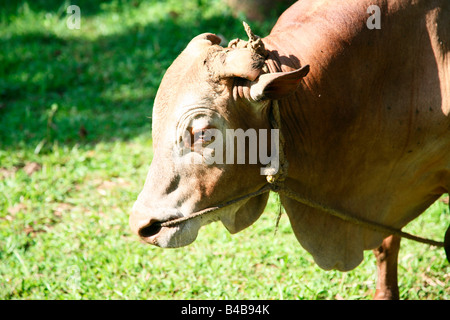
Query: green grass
[[75, 146]]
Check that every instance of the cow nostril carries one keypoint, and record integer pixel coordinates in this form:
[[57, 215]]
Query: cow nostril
[[150, 230]]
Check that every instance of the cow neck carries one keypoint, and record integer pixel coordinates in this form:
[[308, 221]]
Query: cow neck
[[291, 114]]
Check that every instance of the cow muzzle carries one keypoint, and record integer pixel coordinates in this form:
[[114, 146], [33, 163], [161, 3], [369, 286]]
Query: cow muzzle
[[146, 223]]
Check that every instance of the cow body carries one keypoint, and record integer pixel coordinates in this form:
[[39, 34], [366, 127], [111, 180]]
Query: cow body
[[367, 130]]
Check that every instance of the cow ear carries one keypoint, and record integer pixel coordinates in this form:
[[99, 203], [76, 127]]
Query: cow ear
[[275, 86]]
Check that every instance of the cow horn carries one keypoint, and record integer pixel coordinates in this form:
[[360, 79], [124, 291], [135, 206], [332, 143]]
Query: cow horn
[[254, 42]]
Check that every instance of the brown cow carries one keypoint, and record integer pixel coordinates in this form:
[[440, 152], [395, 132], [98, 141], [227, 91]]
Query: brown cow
[[366, 131]]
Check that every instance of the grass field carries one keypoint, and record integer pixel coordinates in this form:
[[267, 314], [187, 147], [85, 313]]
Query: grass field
[[75, 147]]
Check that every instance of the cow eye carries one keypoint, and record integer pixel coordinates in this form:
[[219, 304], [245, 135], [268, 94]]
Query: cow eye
[[203, 136]]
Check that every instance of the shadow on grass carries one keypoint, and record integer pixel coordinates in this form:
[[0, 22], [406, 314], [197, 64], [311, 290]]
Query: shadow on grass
[[76, 90]]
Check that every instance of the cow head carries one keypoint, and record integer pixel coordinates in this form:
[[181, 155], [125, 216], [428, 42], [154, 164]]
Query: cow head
[[207, 91]]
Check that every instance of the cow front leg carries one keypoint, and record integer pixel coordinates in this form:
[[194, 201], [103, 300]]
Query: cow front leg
[[387, 256]]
